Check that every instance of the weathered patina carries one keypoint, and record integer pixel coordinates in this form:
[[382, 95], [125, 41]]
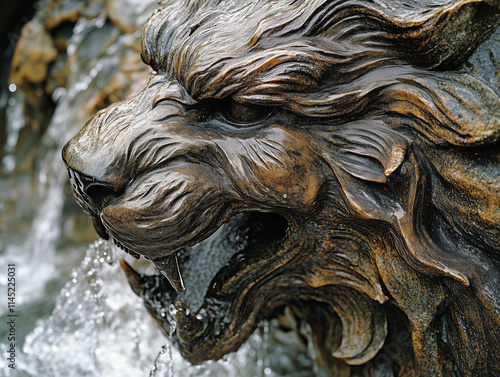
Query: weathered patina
[[347, 155]]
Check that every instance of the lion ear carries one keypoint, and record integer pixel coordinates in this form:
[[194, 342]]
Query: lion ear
[[401, 202], [369, 150]]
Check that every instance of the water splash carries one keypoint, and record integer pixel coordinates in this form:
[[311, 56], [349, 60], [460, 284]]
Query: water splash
[[98, 326], [164, 366]]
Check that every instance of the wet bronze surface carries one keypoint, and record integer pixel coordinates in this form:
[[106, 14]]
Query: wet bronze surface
[[348, 149]]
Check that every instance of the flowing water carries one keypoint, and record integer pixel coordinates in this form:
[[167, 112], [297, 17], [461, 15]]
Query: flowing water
[[78, 317], [98, 327]]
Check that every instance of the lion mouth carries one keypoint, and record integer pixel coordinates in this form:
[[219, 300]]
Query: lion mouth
[[168, 266], [221, 275]]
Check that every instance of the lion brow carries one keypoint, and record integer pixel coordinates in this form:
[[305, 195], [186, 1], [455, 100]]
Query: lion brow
[[202, 41], [312, 57]]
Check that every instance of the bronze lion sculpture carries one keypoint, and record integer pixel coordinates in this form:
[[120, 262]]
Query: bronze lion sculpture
[[345, 153]]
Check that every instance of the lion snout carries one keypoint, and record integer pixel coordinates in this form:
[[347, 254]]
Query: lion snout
[[92, 195]]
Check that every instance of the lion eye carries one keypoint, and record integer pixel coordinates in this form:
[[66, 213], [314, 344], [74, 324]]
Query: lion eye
[[243, 114]]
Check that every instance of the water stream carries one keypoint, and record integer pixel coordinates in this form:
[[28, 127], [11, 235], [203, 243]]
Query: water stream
[[79, 317]]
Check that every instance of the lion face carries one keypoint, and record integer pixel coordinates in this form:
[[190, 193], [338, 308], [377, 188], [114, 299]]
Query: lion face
[[167, 172], [162, 172], [311, 142]]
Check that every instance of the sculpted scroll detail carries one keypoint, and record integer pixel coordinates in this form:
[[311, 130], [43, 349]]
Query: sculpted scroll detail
[[345, 153]]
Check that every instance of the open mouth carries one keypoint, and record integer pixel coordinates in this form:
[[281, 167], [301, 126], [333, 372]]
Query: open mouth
[[236, 241], [215, 281], [222, 277]]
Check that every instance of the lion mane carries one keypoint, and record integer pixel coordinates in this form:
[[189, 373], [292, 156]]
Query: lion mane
[[341, 157]]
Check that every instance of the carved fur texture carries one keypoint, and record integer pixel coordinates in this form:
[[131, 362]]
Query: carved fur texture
[[352, 147]]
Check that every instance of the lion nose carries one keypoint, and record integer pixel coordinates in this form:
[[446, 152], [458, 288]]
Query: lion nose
[[91, 194]]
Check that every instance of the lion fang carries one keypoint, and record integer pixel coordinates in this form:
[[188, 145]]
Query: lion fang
[[169, 267]]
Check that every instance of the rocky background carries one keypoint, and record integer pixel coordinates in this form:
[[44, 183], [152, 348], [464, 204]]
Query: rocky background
[[49, 49], [62, 60]]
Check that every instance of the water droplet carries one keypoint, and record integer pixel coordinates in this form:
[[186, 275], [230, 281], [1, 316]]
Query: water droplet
[[12, 88]]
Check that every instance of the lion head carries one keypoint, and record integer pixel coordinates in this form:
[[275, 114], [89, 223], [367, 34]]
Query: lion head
[[343, 153]]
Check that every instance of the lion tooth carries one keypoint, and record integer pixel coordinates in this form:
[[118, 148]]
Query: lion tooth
[[135, 280], [169, 267], [189, 326], [132, 253]]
